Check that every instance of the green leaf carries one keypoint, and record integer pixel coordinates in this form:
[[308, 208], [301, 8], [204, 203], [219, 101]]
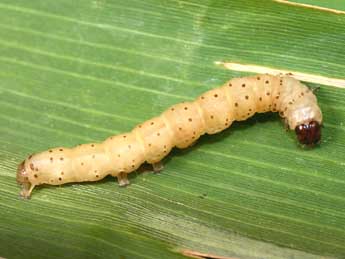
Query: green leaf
[[78, 71]]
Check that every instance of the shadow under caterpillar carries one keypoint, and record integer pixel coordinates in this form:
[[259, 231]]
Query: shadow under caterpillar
[[179, 126]]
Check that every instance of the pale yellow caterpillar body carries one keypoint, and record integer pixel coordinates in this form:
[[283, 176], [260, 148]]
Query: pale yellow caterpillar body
[[179, 126]]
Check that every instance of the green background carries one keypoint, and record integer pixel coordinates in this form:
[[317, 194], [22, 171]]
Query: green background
[[78, 71]]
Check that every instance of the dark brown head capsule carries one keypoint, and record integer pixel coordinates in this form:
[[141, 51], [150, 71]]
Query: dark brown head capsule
[[309, 134]]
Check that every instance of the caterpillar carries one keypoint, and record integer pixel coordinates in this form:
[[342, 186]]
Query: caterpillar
[[179, 126]]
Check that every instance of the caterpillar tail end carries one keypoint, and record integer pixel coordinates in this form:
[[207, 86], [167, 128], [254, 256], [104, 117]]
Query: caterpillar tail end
[[309, 134], [23, 180]]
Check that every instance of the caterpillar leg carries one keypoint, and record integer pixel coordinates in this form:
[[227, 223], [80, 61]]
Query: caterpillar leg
[[157, 167], [122, 179], [286, 125]]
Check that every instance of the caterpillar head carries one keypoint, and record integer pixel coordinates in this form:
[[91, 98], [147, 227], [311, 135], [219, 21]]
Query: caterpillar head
[[309, 133], [23, 180], [306, 118]]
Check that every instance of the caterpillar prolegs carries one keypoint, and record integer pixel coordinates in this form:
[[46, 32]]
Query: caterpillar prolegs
[[179, 126]]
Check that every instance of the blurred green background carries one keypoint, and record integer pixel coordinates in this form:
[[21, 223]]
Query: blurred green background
[[78, 71]]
